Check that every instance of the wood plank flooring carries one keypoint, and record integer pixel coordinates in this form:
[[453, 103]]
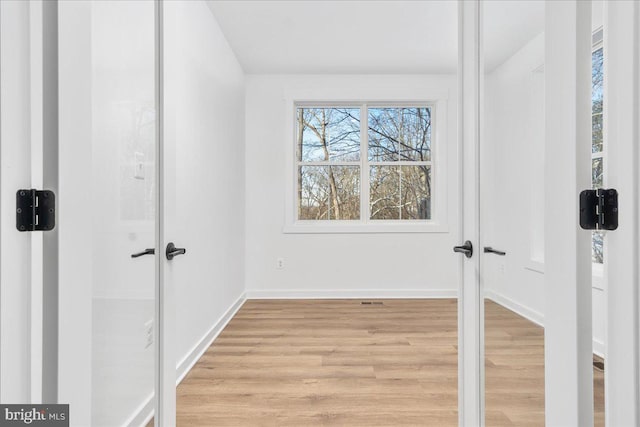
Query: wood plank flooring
[[514, 368], [338, 362], [514, 371]]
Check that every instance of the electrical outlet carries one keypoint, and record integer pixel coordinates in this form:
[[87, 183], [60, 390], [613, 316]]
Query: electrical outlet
[[280, 263], [148, 330]]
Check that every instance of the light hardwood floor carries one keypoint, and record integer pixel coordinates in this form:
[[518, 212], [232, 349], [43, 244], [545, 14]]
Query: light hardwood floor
[[338, 362], [514, 371]]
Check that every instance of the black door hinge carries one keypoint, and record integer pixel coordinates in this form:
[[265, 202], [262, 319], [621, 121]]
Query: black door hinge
[[35, 210], [599, 209]]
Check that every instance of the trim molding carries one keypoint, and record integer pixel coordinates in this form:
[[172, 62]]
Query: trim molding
[[205, 342], [533, 316], [522, 310], [144, 413], [350, 293], [598, 348]]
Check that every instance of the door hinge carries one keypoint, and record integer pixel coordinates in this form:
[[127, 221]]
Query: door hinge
[[599, 209], [35, 210]]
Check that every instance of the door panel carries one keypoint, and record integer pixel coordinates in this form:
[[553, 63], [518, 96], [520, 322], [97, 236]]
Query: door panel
[[107, 49], [621, 136], [124, 148], [469, 295], [15, 173], [537, 298], [512, 215]]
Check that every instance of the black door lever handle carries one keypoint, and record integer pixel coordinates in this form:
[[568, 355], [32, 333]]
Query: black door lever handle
[[490, 250], [145, 252], [172, 251], [466, 249]]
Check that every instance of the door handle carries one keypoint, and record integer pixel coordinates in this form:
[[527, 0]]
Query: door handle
[[490, 250], [466, 249], [172, 251], [145, 252]]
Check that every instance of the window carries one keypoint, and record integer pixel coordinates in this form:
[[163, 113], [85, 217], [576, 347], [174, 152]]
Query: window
[[364, 163], [597, 142]]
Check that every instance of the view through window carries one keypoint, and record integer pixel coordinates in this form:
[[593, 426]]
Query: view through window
[[597, 143], [364, 163]]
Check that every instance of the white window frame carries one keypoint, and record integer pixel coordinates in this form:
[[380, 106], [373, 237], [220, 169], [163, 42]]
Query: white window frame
[[438, 163]]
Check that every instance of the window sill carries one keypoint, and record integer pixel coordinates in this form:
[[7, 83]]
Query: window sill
[[312, 227]]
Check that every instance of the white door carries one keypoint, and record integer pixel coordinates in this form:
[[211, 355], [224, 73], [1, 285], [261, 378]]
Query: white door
[[622, 255], [85, 114], [79, 116], [535, 261], [21, 168], [527, 137], [108, 223]]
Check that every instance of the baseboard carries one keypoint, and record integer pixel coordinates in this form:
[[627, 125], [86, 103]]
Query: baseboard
[[143, 415], [532, 315], [598, 348], [522, 310], [351, 293], [205, 342]]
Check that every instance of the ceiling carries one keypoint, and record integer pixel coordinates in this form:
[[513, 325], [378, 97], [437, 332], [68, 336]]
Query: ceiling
[[366, 37]]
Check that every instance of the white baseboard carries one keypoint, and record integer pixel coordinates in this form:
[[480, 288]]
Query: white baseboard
[[532, 315], [143, 415], [350, 293], [205, 342], [598, 348], [522, 310]]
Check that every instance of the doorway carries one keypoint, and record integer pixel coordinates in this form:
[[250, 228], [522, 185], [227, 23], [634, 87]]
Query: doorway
[[278, 183]]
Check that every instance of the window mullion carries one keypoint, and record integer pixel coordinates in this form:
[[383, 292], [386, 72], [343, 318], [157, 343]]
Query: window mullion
[[328, 163], [399, 192], [364, 164], [402, 163]]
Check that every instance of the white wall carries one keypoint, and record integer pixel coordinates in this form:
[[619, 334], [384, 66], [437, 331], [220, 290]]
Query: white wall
[[510, 141], [74, 226], [337, 265]]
